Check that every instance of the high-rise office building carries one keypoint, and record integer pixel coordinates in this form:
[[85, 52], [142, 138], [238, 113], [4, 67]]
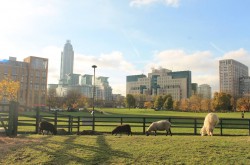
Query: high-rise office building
[[67, 62], [161, 82], [230, 72], [32, 75], [204, 90]]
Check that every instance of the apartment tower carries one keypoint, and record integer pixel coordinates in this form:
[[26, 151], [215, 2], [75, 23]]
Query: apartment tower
[[230, 72], [32, 75]]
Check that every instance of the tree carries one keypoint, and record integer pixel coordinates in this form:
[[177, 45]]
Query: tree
[[206, 105], [9, 89], [82, 102], [195, 103], [243, 104], [148, 104], [176, 105], [221, 101], [130, 101], [72, 98], [168, 104], [139, 100], [52, 98], [184, 104], [158, 104]]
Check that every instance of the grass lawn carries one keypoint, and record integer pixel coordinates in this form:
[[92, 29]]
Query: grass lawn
[[138, 149]]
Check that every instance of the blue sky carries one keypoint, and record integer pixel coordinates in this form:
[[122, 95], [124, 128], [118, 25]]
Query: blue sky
[[130, 36]]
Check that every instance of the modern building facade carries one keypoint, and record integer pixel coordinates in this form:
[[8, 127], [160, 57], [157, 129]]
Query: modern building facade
[[161, 82], [245, 86], [67, 62], [230, 72], [103, 89], [32, 74], [204, 90], [194, 88]]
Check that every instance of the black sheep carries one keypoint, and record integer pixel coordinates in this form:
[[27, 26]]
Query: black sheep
[[46, 126], [122, 128]]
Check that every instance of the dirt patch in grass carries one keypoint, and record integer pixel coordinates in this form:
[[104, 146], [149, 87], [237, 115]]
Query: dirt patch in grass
[[7, 143]]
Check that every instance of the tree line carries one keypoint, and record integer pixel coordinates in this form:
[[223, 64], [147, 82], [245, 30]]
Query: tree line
[[220, 102]]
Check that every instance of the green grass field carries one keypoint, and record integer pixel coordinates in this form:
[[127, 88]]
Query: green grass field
[[107, 149], [136, 149]]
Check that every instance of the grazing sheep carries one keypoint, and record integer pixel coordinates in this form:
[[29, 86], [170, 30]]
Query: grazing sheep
[[61, 131], [211, 120], [46, 126], [122, 128], [160, 126]]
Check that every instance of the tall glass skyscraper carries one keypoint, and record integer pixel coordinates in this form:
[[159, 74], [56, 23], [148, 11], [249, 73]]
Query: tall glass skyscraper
[[67, 62]]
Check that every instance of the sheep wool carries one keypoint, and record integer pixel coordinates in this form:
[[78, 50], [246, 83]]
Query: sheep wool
[[122, 128], [211, 120], [46, 126], [161, 125]]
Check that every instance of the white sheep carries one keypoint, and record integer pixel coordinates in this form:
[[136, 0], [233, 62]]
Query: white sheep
[[160, 126], [211, 120]]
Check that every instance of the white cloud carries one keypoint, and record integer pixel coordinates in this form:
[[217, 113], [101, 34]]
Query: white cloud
[[240, 55], [138, 3]]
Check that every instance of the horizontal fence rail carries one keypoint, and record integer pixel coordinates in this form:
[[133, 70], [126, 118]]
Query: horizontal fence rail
[[105, 124], [75, 124]]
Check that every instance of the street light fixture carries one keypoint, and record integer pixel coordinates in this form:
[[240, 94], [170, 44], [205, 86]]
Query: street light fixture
[[93, 111]]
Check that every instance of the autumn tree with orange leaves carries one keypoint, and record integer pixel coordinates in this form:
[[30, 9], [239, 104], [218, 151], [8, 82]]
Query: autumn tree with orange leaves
[[9, 89]]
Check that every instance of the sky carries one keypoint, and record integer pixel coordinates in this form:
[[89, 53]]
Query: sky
[[128, 37]]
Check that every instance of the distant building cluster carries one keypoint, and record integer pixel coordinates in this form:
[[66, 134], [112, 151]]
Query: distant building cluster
[[82, 83], [32, 73]]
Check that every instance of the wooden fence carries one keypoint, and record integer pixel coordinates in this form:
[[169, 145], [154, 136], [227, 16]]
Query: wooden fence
[[75, 124]]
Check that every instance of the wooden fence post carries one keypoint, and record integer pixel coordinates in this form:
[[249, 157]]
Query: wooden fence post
[[37, 119], [121, 120], [78, 125], [13, 118], [195, 126], [221, 127], [144, 124], [93, 122], [249, 127], [55, 120], [69, 123]]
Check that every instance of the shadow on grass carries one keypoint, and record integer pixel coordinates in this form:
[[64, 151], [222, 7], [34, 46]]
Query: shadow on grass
[[105, 153], [102, 153]]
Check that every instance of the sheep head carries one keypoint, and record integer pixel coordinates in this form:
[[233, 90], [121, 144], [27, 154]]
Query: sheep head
[[203, 131]]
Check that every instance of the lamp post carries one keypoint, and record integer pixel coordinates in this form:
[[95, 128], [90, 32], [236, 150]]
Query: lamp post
[[93, 111]]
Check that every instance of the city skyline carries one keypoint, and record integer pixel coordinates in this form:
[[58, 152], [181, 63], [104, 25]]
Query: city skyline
[[128, 37]]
